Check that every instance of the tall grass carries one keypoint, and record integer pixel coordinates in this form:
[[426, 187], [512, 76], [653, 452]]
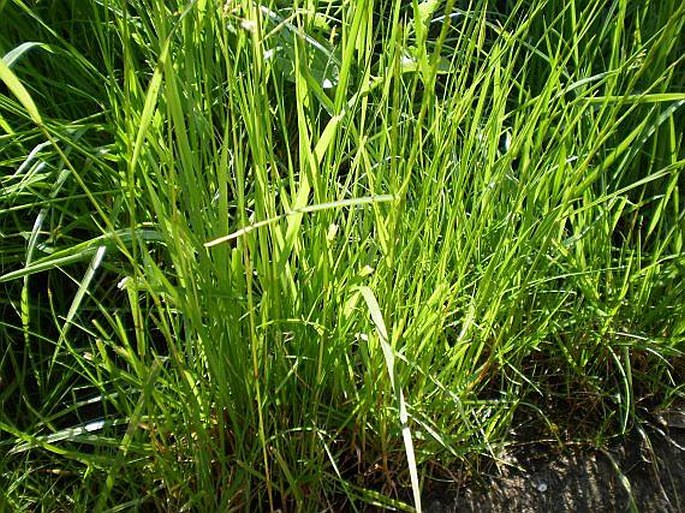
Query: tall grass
[[309, 256]]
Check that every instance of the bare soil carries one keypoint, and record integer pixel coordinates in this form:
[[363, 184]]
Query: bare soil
[[643, 472]]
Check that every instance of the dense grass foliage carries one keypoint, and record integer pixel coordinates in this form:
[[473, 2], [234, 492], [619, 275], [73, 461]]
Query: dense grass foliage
[[310, 256]]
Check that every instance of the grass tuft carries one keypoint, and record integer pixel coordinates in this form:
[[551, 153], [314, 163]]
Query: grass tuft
[[319, 255]]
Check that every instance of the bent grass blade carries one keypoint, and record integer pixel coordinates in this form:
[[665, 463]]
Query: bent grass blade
[[367, 200], [388, 353]]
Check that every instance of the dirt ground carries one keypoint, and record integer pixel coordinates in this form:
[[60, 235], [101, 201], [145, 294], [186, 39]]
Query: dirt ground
[[645, 472]]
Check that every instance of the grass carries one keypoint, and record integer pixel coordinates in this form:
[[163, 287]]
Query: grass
[[310, 256]]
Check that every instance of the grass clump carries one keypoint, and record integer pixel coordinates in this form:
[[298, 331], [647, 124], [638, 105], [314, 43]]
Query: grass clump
[[310, 255]]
